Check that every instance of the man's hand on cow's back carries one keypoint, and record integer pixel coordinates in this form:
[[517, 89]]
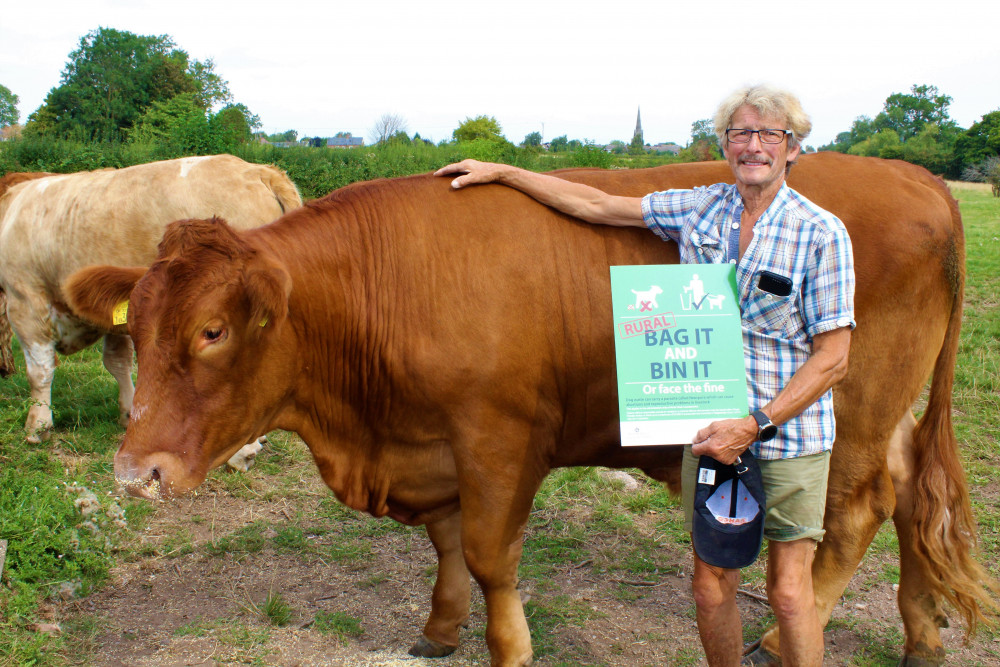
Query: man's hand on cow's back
[[473, 172], [726, 439]]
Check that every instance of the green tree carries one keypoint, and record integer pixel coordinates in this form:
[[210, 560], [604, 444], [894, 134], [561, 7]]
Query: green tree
[[590, 154], [287, 135], [533, 140], [861, 129], [179, 123], [977, 144], [8, 107], [884, 144], [231, 127], [114, 77], [210, 88], [907, 114], [618, 147], [704, 144], [703, 130], [635, 147], [559, 144], [928, 149], [480, 127]]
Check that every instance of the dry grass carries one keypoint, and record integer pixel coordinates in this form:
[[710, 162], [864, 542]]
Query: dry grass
[[964, 185]]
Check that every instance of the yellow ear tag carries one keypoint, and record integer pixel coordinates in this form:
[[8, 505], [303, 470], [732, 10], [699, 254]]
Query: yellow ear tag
[[263, 322], [120, 314]]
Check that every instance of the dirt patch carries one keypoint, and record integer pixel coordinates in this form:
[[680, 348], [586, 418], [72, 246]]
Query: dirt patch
[[191, 591]]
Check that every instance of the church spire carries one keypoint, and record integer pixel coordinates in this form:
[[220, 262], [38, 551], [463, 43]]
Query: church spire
[[638, 128]]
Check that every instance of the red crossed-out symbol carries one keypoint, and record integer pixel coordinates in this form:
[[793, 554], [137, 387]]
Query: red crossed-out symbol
[[645, 305]]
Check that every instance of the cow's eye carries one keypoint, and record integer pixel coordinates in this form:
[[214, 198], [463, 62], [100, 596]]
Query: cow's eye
[[213, 334]]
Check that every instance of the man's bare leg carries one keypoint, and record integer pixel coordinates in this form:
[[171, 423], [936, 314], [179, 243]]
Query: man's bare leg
[[790, 592], [718, 617]]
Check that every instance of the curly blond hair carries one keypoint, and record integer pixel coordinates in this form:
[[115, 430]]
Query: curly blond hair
[[767, 101]]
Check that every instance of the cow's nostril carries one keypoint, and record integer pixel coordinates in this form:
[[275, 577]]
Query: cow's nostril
[[155, 475]]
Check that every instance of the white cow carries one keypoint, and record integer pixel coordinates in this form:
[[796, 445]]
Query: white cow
[[52, 225]]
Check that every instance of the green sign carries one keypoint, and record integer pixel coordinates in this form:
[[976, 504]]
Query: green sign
[[679, 350]]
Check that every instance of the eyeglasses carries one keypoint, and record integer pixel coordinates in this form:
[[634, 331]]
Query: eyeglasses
[[738, 136]]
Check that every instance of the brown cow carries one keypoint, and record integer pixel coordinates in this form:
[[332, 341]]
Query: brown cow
[[439, 352], [50, 227]]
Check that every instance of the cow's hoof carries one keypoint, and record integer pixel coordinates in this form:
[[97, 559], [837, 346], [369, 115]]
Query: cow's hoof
[[243, 459], [38, 436], [760, 657], [428, 648]]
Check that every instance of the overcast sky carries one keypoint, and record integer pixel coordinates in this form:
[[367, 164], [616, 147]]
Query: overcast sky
[[577, 68]]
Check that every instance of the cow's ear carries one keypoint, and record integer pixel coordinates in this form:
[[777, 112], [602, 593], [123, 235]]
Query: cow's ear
[[99, 294], [267, 287]]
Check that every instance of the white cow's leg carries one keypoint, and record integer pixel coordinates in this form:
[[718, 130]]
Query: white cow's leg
[[118, 352], [40, 360], [6, 335], [243, 459], [29, 321]]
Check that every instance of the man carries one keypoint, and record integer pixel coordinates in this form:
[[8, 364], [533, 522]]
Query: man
[[795, 276]]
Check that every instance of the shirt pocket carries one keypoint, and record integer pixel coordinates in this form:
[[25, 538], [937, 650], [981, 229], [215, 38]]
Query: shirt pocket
[[770, 314], [706, 249]]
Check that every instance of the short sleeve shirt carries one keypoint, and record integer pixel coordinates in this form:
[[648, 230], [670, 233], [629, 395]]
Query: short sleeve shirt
[[805, 256]]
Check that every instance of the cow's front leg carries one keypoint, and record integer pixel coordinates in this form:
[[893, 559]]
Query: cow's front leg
[[40, 363], [495, 508], [452, 591], [118, 353], [29, 320], [243, 459]]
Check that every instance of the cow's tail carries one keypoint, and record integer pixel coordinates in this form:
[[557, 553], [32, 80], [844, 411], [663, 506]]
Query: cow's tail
[[944, 530], [282, 187], [7, 366]]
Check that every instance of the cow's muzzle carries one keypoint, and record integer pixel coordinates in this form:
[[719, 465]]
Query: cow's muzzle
[[154, 477]]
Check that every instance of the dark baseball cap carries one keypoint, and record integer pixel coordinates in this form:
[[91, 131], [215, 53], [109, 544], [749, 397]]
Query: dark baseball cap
[[729, 506]]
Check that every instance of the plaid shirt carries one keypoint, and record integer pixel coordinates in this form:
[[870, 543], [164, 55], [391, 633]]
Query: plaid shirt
[[794, 239]]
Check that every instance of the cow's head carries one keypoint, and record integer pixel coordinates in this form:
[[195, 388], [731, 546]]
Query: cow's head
[[204, 319]]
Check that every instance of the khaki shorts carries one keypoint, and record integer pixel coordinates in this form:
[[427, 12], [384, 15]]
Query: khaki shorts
[[795, 491]]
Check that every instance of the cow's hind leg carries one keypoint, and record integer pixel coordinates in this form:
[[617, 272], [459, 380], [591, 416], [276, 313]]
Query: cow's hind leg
[[452, 591], [6, 337], [859, 500], [921, 611], [118, 353]]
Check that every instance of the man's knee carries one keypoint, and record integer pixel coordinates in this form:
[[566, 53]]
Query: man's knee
[[790, 598], [789, 577], [713, 587]]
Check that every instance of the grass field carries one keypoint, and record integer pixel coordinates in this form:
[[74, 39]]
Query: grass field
[[85, 559]]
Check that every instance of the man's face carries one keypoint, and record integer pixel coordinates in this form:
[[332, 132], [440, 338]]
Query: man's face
[[756, 164]]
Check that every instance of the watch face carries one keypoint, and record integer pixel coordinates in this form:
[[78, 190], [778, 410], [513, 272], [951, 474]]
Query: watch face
[[767, 432]]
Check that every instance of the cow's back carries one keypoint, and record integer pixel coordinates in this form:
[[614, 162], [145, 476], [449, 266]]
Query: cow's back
[[55, 225]]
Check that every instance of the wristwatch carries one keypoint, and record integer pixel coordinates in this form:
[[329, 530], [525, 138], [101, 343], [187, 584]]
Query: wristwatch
[[765, 427]]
